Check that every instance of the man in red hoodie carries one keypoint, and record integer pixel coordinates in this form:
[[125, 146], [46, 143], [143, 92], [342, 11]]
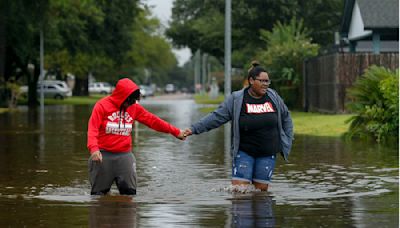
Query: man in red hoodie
[[110, 141]]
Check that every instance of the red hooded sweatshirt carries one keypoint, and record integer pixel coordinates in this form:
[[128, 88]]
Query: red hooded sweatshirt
[[110, 130]]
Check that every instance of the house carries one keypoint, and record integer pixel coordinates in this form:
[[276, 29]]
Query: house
[[370, 26], [369, 36]]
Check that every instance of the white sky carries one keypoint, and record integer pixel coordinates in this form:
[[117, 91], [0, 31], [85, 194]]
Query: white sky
[[162, 10]]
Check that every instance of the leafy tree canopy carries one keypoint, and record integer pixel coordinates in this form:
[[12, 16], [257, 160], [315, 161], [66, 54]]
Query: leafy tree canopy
[[199, 24]]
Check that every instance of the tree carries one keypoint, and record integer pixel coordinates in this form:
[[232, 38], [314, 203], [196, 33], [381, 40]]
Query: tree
[[20, 42], [200, 24], [109, 39], [96, 36], [150, 53], [286, 47]]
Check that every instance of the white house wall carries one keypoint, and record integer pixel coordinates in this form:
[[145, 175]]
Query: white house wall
[[356, 30]]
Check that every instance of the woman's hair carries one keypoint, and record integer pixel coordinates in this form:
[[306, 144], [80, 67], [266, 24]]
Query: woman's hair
[[135, 96], [255, 70]]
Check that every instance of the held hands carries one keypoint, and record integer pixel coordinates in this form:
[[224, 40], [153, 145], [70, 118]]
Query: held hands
[[184, 133], [181, 135], [96, 156], [187, 132]]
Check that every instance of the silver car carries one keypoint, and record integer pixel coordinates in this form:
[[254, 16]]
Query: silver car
[[146, 91], [51, 89], [100, 87]]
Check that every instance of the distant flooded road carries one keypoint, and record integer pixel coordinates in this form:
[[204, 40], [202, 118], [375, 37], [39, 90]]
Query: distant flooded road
[[328, 182]]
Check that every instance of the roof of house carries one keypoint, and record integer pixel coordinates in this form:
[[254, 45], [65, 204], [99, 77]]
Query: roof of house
[[379, 14], [376, 14]]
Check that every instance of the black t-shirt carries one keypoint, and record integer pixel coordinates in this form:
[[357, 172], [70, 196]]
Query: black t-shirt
[[258, 125]]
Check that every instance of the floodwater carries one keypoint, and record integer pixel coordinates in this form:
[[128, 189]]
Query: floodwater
[[327, 183]]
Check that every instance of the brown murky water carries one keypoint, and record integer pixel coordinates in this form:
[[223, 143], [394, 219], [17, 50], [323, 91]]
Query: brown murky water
[[328, 182]]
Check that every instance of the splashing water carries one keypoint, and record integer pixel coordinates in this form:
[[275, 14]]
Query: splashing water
[[238, 189]]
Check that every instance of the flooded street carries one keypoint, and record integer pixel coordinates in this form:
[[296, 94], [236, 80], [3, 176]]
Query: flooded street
[[327, 183]]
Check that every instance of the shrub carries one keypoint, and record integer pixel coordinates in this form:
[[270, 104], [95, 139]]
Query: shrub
[[288, 45], [375, 101]]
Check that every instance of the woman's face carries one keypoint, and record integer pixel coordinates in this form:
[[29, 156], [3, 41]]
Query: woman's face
[[260, 84], [131, 99], [128, 103]]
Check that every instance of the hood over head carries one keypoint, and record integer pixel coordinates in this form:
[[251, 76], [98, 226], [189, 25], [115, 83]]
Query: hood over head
[[123, 89]]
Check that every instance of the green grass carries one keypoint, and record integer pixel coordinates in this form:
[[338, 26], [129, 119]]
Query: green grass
[[3, 110], [317, 124], [75, 100], [205, 99]]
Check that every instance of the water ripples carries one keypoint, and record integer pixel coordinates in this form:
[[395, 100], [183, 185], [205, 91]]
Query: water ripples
[[332, 181]]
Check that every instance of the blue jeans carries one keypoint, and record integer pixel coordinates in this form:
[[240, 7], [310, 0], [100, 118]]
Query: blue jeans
[[249, 168]]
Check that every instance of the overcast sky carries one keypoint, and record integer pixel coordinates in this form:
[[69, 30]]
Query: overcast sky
[[162, 10]]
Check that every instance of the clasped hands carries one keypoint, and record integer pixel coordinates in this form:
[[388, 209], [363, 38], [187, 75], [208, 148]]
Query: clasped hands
[[184, 133]]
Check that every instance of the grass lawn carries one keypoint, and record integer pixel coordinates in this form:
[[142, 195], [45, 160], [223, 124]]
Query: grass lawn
[[205, 99], [3, 110], [317, 124], [75, 100], [305, 123]]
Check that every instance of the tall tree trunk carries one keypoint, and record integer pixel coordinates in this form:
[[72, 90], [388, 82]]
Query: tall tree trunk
[[81, 86], [3, 92], [2, 40], [33, 77]]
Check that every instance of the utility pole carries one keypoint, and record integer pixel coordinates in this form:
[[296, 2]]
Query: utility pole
[[228, 67], [203, 72], [228, 47], [197, 71], [41, 77], [208, 73]]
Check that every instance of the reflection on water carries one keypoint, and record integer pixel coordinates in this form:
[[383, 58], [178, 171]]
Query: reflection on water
[[253, 211], [113, 211], [327, 183]]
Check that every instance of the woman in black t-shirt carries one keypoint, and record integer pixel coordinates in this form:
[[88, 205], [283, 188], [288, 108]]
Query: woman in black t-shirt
[[262, 127]]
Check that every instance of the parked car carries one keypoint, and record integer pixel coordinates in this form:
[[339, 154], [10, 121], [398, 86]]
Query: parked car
[[169, 88], [61, 84], [100, 87], [146, 91], [51, 89]]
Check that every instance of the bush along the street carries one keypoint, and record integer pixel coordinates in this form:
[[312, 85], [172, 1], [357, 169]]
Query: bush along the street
[[374, 99], [288, 45]]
